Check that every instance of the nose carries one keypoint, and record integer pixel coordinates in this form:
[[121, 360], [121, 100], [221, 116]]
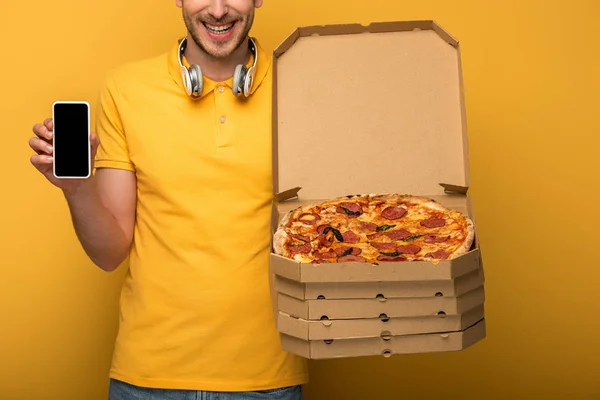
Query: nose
[[218, 9]]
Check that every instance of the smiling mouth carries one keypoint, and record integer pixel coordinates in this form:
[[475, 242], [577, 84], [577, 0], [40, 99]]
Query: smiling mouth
[[219, 29]]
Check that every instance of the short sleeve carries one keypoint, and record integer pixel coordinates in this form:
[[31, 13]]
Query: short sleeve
[[113, 151]]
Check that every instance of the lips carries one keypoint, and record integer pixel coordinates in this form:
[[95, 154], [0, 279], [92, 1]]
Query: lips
[[219, 29]]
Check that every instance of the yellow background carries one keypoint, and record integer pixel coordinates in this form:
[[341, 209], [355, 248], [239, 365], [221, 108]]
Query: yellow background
[[532, 83]]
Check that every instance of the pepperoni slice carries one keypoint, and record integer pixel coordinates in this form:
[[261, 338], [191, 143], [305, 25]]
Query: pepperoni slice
[[354, 207], [326, 240], [350, 237], [439, 254], [301, 237], [320, 262], [433, 222], [383, 246], [327, 254], [393, 213], [368, 226], [410, 249], [399, 234], [435, 239], [390, 259], [352, 259], [351, 210], [341, 250], [309, 218], [305, 248], [321, 228], [355, 251]]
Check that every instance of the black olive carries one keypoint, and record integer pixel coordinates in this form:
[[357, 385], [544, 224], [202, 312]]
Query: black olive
[[348, 212], [337, 233], [347, 253], [385, 227], [410, 239]]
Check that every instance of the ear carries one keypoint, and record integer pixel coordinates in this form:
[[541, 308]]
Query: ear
[[257, 3], [179, 3]]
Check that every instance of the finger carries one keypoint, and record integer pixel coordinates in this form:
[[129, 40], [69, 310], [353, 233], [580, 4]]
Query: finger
[[49, 123], [42, 160], [40, 146], [95, 141], [36, 129], [42, 131]]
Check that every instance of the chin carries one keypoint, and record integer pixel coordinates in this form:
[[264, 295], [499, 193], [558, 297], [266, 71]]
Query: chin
[[220, 49]]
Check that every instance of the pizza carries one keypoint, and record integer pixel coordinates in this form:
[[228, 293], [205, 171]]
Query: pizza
[[373, 228]]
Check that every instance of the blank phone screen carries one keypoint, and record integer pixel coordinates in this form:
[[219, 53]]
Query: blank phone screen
[[71, 140]]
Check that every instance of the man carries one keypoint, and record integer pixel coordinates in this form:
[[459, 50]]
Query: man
[[183, 187]]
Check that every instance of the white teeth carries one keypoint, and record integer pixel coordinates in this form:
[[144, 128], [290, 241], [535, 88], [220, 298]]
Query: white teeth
[[218, 29]]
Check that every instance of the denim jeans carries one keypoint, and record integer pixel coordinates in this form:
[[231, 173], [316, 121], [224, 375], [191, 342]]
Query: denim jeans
[[119, 390]]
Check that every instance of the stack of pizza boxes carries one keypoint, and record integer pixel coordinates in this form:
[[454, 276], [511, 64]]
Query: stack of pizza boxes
[[372, 109]]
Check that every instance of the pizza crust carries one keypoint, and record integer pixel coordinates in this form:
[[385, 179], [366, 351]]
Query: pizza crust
[[429, 202], [466, 246], [279, 239]]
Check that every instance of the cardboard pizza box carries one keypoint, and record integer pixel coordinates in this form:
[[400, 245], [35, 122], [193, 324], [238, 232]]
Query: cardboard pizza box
[[382, 327], [387, 345], [371, 290], [374, 308], [371, 109]]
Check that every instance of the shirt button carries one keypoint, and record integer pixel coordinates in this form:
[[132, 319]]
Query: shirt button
[[221, 89], [222, 119]]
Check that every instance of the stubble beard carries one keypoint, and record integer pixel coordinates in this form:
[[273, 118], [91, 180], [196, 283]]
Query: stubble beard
[[218, 50]]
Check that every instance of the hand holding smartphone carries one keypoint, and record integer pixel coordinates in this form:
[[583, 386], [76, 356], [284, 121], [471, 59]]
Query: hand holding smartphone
[[71, 140]]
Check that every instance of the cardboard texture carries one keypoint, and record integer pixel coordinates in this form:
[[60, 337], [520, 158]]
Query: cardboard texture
[[373, 308], [377, 327], [372, 109], [371, 290], [403, 344]]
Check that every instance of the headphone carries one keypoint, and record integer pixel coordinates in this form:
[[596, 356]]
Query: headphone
[[243, 77]]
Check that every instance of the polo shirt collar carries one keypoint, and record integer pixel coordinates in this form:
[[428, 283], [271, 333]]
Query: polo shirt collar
[[262, 67]]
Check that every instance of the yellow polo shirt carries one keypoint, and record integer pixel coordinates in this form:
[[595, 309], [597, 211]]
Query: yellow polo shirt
[[195, 310]]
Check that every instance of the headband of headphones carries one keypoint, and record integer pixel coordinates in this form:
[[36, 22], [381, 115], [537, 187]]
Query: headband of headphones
[[243, 77]]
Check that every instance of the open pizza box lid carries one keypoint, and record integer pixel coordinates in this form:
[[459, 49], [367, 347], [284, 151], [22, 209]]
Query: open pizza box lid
[[369, 109]]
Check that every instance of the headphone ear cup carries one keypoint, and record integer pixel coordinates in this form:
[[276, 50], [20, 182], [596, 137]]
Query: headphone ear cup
[[248, 82], [187, 81], [239, 76], [197, 81]]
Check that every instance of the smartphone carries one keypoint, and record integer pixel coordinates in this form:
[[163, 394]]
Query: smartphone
[[71, 140]]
